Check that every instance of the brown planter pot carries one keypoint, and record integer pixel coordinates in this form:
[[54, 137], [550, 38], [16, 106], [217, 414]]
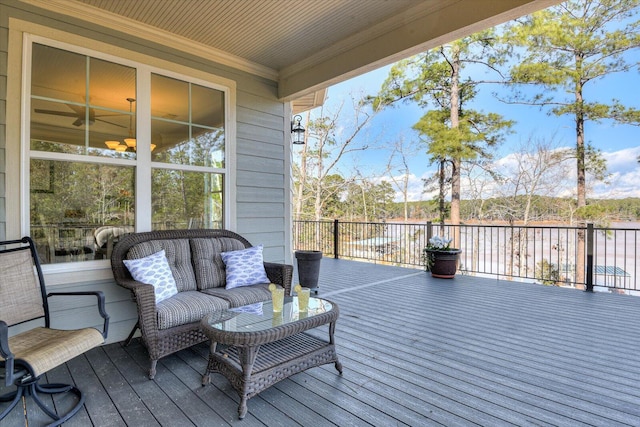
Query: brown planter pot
[[444, 263]]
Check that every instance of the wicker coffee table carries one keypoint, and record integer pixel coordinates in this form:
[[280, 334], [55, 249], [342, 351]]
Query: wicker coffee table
[[255, 348]]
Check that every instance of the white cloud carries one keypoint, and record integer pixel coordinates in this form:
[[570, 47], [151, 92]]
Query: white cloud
[[622, 165], [414, 190], [623, 160], [625, 175]]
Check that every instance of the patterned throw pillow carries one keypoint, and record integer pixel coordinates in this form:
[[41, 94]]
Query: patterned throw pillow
[[244, 267], [154, 270]]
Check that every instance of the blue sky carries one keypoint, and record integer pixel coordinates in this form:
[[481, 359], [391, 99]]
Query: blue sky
[[620, 144]]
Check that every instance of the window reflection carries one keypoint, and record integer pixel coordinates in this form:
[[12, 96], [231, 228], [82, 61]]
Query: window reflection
[[86, 106], [207, 107], [187, 123], [58, 74], [71, 202], [71, 116], [183, 199]]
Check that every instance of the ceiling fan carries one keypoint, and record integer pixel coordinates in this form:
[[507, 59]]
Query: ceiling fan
[[80, 114]]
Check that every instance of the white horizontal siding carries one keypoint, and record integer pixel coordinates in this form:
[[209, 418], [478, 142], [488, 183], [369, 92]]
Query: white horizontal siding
[[253, 133], [267, 210], [266, 179], [261, 174]]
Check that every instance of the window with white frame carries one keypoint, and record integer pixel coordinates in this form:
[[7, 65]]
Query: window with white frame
[[115, 144]]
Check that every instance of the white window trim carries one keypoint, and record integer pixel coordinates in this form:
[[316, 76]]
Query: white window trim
[[145, 65]]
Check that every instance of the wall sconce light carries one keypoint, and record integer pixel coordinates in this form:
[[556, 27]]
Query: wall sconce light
[[297, 130]]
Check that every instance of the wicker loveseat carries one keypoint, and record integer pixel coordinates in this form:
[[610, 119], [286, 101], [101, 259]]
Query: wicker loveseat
[[194, 258]]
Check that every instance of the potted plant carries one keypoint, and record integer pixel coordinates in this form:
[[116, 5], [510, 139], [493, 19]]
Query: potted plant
[[440, 258]]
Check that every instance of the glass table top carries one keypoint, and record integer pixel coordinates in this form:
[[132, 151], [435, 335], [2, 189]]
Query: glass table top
[[260, 316]]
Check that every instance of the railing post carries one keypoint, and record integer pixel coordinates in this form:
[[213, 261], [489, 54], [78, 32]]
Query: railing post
[[429, 230], [336, 239], [589, 266]]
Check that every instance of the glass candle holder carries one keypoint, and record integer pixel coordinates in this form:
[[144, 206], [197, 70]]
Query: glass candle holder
[[277, 297], [303, 299]]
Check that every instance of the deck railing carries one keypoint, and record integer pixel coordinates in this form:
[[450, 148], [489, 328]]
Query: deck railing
[[546, 254]]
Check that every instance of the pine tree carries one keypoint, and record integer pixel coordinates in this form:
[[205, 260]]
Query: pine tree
[[452, 132], [561, 51]]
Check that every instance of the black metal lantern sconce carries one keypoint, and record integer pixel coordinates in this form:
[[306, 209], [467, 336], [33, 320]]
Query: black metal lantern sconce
[[297, 130]]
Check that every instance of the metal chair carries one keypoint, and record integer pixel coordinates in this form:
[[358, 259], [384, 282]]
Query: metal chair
[[27, 349]]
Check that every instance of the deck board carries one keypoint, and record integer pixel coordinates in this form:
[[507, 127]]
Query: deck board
[[415, 351], [164, 410], [62, 375]]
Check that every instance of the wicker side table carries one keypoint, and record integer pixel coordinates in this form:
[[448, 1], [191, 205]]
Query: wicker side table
[[255, 348]]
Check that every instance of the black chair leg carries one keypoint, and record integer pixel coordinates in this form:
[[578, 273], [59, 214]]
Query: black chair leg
[[56, 389], [34, 389], [133, 331], [14, 397]]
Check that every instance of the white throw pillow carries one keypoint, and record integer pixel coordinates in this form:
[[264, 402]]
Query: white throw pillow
[[244, 267], [154, 270]]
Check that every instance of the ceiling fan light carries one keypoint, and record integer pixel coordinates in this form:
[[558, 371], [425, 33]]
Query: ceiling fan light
[[121, 148], [112, 144], [153, 147], [131, 142]]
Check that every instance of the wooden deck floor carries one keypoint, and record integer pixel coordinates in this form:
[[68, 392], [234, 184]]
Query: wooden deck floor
[[416, 351]]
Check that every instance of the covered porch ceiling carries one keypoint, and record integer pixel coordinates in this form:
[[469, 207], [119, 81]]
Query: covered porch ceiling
[[303, 45]]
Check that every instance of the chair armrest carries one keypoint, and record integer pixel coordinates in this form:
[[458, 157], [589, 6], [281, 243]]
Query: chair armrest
[[6, 353], [145, 299], [101, 306], [4, 340], [132, 285], [281, 274]]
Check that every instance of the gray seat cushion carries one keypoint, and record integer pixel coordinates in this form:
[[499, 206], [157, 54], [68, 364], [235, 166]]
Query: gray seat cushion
[[178, 253], [187, 307], [244, 295], [209, 267]]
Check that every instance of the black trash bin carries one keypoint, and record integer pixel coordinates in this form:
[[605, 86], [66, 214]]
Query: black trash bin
[[309, 268]]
